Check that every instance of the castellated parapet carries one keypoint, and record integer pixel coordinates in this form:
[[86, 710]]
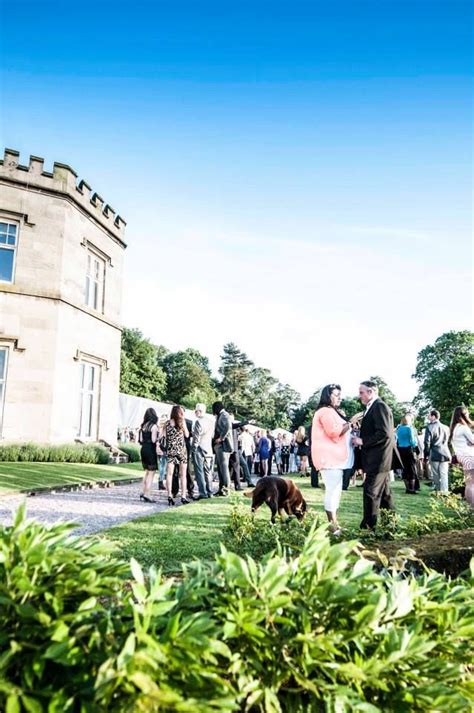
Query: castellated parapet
[[62, 180]]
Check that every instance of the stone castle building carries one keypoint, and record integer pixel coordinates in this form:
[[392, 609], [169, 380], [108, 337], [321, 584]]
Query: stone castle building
[[61, 257]]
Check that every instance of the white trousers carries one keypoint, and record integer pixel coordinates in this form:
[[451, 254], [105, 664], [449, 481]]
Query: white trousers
[[332, 479]]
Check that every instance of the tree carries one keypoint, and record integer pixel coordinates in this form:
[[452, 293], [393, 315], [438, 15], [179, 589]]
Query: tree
[[234, 386], [188, 378], [262, 404], [444, 372], [139, 373], [286, 400], [303, 415]]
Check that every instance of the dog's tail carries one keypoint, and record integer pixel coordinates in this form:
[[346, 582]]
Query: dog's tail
[[249, 493]]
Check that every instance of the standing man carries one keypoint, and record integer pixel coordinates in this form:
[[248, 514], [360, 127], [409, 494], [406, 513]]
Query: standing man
[[378, 444], [202, 451], [223, 445], [437, 452]]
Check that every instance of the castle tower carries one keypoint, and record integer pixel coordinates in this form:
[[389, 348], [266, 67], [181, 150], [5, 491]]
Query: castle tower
[[61, 257]]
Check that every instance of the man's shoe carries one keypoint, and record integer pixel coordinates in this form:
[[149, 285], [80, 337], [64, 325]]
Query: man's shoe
[[161, 485], [221, 494]]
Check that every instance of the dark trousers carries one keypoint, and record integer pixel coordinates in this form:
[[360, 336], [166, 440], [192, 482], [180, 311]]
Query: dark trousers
[[314, 473], [410, 475], [245, 469], [270, 461], [249, 460], [346, 477], [285, 462], [377, 496]]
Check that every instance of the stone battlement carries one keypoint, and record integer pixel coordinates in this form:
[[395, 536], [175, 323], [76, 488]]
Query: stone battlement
[[61, 180]]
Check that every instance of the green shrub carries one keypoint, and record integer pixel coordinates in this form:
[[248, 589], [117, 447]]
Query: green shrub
[[65, 453], [246, 534], [447, 512], [132, 451], [456, 478], [320, 632]]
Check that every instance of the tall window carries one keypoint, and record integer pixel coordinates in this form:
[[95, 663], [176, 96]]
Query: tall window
[[95, 281], [3, 381], [8, 243], [89, 400]]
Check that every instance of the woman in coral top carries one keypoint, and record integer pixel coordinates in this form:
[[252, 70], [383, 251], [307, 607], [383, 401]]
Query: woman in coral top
[[331, 449]]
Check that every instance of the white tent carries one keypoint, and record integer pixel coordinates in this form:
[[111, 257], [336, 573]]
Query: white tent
[[132, 409]]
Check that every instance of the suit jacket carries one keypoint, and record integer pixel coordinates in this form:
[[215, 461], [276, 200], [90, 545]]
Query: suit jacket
[[223, 431], [378, 439]]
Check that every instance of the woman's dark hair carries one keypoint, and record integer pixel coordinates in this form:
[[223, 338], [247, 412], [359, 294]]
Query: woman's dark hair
[[150, 417], [460, 415], [325, 399], [177, 416]]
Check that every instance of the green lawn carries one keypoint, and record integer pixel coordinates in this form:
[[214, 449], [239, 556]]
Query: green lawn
[[181, 533], [28, 476]]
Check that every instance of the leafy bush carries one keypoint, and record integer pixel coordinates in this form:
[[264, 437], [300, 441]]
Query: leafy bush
[[456, 478], [246, 534], [65, 453], [320, 632], [132, 451], [447, 512]]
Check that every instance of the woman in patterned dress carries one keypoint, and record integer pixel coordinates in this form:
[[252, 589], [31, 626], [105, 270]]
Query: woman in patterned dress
[[462, 442], [174, 432]]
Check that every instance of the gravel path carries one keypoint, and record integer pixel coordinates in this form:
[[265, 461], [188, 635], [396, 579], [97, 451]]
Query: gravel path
[[93, 510]]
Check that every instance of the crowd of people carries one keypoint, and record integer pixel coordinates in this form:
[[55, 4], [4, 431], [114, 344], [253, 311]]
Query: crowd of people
[[336, 448]]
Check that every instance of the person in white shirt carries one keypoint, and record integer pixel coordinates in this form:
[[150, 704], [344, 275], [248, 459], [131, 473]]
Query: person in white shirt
[[247, 446], [462, 441]]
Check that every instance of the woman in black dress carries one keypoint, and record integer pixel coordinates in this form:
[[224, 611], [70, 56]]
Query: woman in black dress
[[147, 437]]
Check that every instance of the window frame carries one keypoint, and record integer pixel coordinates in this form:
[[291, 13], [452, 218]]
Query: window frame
[[91, 256], [3, 381], [84, 394], [11, 248]]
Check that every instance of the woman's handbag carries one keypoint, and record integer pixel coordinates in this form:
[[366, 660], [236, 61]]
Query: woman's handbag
[[162, 444]]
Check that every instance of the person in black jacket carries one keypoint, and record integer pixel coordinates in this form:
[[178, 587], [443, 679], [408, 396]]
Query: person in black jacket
[[378, 445]]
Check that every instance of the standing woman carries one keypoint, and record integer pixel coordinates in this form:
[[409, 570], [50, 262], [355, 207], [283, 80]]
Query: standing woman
[[302, 451], [264, 453], [331, 449], [174, 432], [285, 454], [407, 444], [462, 441], [147, 437]]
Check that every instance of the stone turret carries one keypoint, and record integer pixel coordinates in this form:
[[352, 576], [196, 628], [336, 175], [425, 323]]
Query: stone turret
[[62, 180]]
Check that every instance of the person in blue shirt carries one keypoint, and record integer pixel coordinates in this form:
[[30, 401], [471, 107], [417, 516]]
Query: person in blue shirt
[[407, 444]]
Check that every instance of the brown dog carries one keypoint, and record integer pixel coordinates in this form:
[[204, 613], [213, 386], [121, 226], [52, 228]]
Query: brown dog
[[281, 496]]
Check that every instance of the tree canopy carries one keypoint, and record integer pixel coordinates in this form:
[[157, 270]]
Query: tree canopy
[[444, 372], [140, 374]]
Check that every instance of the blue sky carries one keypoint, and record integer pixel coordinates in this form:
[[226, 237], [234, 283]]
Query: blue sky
[[295, 177]]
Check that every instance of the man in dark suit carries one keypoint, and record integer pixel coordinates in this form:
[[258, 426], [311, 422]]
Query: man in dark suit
[[378, 443]]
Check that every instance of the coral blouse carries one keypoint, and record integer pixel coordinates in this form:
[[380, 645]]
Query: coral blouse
[[328, 448]]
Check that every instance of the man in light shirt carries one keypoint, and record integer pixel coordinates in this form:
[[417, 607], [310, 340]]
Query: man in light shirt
[[203, 431]]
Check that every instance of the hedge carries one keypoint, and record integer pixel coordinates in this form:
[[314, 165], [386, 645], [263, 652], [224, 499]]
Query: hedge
[[65, 453]]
